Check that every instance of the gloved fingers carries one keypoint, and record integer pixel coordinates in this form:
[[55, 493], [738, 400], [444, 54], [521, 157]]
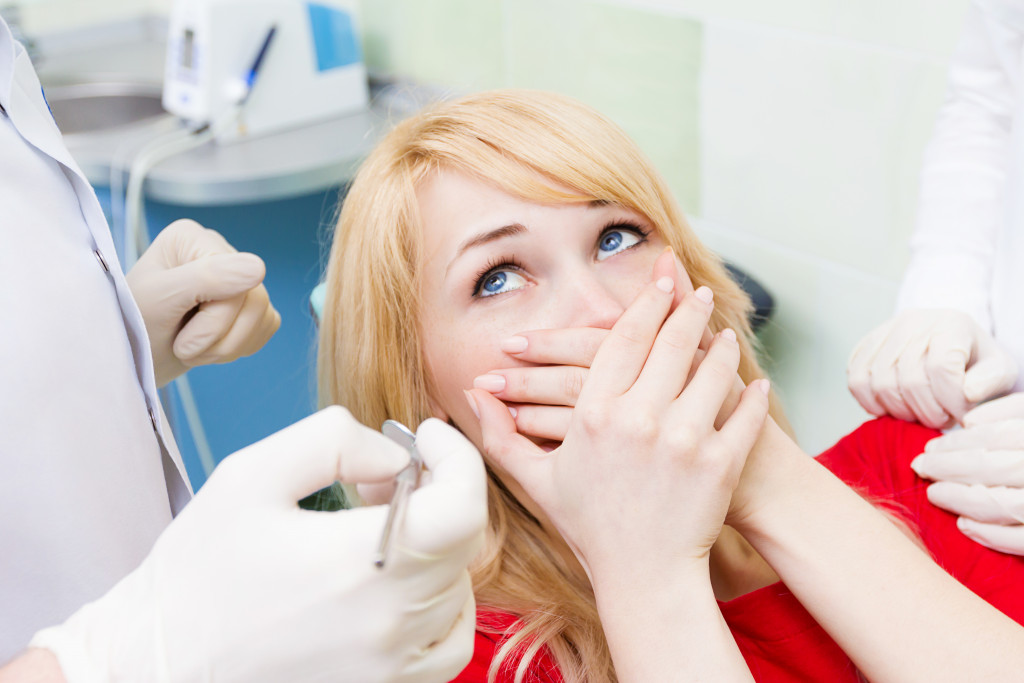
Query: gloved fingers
[[916, 387], [1005, 435], [251, 329], [211, 321], [190, 240], [550, 423], [949, 352], [1005, 408], [1004, 538], [858, 369], [987, 504], [378, 493], [449, 513], [313, 453], [993, 373], [977, 466], [445, 658], [887, 393]]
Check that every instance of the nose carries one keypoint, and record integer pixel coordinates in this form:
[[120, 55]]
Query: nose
[[592, 303]]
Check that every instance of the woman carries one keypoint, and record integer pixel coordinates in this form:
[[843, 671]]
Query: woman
[[493, 242]]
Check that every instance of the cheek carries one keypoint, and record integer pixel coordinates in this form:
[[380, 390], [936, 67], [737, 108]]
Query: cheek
[[457, 350]]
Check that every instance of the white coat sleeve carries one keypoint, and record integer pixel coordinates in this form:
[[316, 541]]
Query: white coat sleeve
[[965, 169]]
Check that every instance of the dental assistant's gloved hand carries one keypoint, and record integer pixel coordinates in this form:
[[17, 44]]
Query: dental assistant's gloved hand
[[929, 366], [979, 474], [187, 266], [246, 586]]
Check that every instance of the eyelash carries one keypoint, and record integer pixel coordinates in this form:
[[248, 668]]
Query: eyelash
[[512, 263], [501, 263]]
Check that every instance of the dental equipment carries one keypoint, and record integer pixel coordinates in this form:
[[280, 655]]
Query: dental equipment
[[405, 483], [313, 70]]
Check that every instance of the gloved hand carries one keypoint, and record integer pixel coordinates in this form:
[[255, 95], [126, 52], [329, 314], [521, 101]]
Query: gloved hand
[[928, 366], [246, 586], [979, 474], [188, 266]]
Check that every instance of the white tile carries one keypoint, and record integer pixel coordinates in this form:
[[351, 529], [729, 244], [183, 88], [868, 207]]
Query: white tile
[[815, 146], [822, 310], [929, 26]]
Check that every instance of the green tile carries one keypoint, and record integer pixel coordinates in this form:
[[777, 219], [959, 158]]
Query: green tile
[[639, 67], [455, 43]]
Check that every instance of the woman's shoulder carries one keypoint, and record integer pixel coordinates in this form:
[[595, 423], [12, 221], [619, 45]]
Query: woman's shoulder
[[493, 627], [875, 460], [876, 456]]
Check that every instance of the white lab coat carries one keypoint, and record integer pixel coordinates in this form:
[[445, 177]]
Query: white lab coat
[[968, 244], [89, 473]]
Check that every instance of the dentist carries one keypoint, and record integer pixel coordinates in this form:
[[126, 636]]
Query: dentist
[[958, 336], [95, 534]]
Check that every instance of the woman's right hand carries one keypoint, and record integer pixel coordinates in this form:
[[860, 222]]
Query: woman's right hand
[[641, 451]]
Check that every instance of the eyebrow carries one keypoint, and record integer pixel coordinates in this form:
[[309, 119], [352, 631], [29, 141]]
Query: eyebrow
[[504, 231]]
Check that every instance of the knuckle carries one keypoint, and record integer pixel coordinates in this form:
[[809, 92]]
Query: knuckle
[[573, 384]]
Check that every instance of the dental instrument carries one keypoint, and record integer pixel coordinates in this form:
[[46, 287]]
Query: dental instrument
[[405, 483]]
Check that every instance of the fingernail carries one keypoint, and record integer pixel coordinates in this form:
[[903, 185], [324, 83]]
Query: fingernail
[[665, 284], [491, 383], [512, 411], [764, 385], [516, 344], [704, 294], [472, 403], [729, 333]]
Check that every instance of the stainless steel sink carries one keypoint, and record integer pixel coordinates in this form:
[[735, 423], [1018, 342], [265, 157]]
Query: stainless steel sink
[[95, 106]]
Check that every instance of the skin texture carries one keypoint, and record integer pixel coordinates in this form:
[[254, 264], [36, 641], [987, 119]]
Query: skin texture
[[559, 252]]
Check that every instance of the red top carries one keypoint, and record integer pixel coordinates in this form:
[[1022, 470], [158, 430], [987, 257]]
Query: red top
[[778, 638]]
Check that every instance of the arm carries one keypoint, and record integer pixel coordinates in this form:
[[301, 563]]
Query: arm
[[964, 173], [896, 613], [245, 586], [936, 357]]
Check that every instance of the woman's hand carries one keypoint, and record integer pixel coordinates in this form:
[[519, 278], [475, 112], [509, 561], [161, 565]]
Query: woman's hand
[[543, 394], [635, 435]]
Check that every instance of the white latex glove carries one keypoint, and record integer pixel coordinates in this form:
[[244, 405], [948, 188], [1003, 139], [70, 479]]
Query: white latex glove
[[188, 266], [928, 366], [246, 586], [979, 473]]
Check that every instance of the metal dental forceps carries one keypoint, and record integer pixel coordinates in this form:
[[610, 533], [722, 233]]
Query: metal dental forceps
[[405, 483]]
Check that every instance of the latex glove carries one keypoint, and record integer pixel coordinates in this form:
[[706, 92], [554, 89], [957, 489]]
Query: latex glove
[[979, 474], [928, 366], [246, 586], [202, 300]]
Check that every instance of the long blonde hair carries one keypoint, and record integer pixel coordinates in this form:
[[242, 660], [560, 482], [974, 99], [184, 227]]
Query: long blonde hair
[[529, 144]]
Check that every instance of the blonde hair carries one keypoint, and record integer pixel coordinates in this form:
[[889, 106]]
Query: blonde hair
[[529, 144]]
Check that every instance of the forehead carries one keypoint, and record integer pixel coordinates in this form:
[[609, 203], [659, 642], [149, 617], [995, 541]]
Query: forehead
[[453, 205]]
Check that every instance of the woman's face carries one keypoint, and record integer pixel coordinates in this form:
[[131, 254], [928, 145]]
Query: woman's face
[[495, 265]]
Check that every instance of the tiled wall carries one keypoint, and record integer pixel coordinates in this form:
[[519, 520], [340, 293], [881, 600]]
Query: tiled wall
[[791, 131]]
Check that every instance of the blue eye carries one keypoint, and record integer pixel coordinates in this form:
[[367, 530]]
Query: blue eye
[[616, 241], [499, 282]]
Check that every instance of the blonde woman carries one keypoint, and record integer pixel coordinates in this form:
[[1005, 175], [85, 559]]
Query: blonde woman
[[517, 246]]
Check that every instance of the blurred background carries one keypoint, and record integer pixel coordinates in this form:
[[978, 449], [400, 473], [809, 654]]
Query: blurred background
[[791, 132]]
